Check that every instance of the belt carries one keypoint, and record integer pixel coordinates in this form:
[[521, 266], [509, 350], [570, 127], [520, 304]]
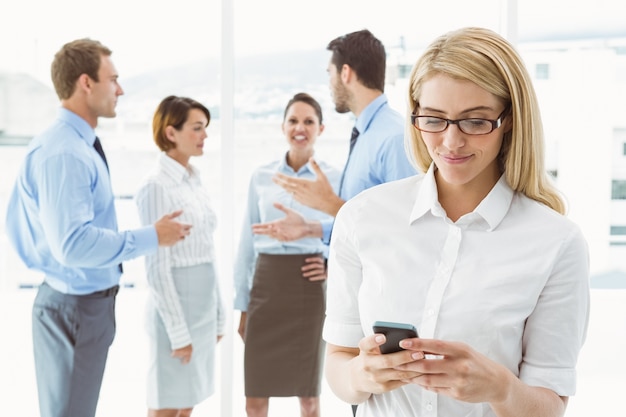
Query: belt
[[109, 292]]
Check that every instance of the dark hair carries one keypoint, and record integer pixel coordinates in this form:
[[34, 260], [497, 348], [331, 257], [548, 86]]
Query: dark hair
[[82, 56], [304, 98], [173, 111], [364, 53]]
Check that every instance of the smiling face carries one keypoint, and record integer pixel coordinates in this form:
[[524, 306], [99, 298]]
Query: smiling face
[[301, 128], [463, 161], [189, 140]]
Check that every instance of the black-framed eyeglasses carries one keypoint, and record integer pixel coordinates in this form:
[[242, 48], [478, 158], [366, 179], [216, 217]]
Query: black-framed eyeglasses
[[473, 126]]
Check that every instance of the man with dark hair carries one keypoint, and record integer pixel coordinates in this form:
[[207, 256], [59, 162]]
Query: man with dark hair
[[61, 220]]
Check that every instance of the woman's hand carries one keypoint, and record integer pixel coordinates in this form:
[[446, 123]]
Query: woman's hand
[[314, 269], [379, 372], [183, 353], [356, 373], [457, 370], [460, 372], [291, 227]]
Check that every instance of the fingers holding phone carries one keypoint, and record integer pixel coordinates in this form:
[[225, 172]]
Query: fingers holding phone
[[376, 372], [394, 333]]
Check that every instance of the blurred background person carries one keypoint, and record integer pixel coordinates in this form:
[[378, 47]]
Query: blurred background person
[[185, 316], [280, 286], [61, 219]]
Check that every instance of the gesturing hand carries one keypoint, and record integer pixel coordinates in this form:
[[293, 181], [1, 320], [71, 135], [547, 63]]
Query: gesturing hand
[[169, 231], [291, 227], [317, 193]]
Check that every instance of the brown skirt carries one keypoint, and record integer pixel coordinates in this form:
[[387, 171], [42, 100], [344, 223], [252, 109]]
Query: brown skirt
[[284, 349]]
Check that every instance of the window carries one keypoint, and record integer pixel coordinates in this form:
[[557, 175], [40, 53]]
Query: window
[[542, 71], [618, 191], [618, 230], [404, 70], [177, 52]]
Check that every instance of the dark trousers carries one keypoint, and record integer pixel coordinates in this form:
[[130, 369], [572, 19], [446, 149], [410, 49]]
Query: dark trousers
[[71, 339]]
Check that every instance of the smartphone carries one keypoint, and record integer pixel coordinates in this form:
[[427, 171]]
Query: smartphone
[[394, 332]]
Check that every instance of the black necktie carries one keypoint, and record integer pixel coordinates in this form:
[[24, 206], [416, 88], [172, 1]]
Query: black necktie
[[100, 151], [353, 138]]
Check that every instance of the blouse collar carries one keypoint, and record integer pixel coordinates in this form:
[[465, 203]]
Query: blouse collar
[[490, 212]]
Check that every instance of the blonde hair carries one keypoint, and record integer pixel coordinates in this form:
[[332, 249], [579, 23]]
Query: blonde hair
[[488, 60]]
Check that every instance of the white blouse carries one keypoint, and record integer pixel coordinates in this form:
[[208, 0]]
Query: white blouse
[[169, 188], [510, 279]]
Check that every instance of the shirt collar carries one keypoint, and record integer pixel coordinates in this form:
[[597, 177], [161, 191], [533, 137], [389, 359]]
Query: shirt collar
[[494, 207], [175, 170], [491, 209], [84, 129], [366, 116], [427, 197], [285, 168]]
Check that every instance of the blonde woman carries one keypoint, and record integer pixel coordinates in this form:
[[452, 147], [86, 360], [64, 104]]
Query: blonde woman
[[476, 253]]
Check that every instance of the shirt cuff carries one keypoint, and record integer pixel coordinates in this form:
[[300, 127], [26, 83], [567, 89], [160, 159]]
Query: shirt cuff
[[146, 240], [342, 334], [327, 228], [560, 380], [241, 302], [179, 336]]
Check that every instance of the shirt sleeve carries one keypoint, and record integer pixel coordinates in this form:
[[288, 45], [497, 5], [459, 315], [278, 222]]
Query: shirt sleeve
[[393, 161], [342, 325], [556, 329], [334, 177], [74, 236], [152, 204], [246, 255], [327, 230]]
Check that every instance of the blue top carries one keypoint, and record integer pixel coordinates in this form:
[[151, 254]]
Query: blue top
[[61, 214], [262, 194], [378, 156]]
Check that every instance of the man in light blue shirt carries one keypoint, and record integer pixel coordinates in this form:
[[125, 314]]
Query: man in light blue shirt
[[61, 220], [357, 80]]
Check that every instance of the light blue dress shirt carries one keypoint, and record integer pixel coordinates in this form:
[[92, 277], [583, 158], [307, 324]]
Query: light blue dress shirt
[[379, 155], [61, 214], [262, 194]]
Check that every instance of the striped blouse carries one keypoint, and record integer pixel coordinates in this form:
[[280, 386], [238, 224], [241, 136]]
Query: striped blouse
[[169, 188]]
